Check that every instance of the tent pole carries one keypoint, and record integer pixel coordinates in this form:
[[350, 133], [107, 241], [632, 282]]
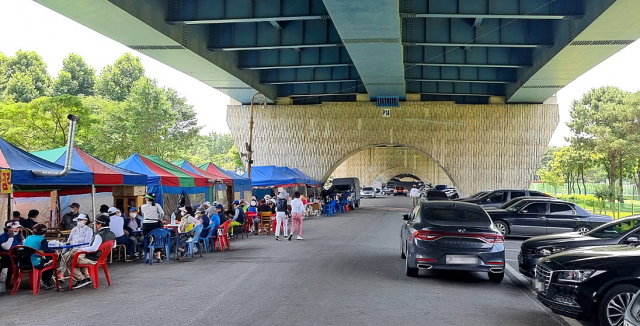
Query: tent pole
[[93, 205], [10, 205]]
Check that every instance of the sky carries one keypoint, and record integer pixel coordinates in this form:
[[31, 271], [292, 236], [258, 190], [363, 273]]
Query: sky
[[22, 29]]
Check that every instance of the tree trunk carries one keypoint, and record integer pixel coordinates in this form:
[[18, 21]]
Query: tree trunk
[[612, 173]]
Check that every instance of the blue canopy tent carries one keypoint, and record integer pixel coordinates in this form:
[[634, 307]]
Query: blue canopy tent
[[166, 180], [272, 176], [314, 182], [22, 164]]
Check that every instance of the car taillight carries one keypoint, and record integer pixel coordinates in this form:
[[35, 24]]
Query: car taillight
[[428, 235]]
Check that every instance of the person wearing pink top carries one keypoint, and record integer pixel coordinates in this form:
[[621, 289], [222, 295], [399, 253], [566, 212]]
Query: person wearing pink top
[[297, 214]]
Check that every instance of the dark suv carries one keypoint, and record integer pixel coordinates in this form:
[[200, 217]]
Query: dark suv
[[495, 198], [591, 282]]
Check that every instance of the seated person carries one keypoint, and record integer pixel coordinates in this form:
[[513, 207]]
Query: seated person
[[81, 233], [116, 224], [11, 237], [131, 224], [30, 222], [38, 242], [238, 217], [202, 217], [187, 223], [90, 255]]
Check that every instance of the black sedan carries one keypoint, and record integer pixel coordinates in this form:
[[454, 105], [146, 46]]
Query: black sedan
[[540, 216], [612, 233], [590, 282], [452, 236]]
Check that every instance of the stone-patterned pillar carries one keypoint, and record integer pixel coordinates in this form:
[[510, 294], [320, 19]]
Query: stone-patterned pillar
[[476, 146]]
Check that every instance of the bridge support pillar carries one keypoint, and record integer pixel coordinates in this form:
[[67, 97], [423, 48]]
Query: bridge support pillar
[[476, 146]]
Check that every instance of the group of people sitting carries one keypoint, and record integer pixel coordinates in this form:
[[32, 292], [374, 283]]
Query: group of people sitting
[[81, 233], [112, 224]]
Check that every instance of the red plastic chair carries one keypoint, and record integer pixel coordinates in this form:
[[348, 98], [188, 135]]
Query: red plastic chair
[[222, 240], [21, 264], [105, 249]]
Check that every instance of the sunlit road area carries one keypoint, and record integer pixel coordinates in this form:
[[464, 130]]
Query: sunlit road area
[[346, 271]]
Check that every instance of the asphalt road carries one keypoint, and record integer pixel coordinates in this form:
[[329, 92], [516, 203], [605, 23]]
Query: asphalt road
[[346, 271]]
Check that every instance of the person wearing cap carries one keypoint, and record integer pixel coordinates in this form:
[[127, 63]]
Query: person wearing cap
[[81, 233], [152, 214], [238, 217], [134, 223], [187, 223], [116, 224], [253, 208], [281, 213], [202, 218], [39, 243], [68, 220], [11, 237], [89, 255]]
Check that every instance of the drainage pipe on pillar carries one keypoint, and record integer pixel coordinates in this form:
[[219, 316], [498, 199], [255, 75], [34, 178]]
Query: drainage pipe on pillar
[[73, 121]]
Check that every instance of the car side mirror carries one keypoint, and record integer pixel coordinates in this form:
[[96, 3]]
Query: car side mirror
[[405, 217], [522, 211], [632, 240]]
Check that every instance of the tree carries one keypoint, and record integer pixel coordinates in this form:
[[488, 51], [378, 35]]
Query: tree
[[3, 74], [116, 80], [30, 70], [552, 176], [42, 123], [75, 78], [605, 121]]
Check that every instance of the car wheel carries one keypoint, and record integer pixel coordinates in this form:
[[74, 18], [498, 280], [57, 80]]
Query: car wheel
[[502, 227], [496, 277], [614, 304], [410, 271], [583, 229]]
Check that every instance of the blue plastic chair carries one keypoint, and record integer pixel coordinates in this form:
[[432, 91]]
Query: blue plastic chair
[[329, 209], [208, 240], [195, 241], [161, 238], [340, 206]]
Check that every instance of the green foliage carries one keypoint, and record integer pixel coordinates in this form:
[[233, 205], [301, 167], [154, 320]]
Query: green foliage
[[75, 78], [117, 80], [25, 77], [548, 156], [42, 123]]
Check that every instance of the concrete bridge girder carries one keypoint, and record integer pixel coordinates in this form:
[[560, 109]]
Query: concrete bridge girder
[[478, 146], [386, 162]]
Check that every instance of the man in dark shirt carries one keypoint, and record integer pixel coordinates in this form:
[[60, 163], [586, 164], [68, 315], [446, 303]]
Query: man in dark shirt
[[18, 218], [67, 222], [30, 222]]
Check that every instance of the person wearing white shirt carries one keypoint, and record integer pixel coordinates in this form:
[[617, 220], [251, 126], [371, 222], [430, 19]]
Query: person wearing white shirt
[[81, 233], [116, 225], [297, 215], [415, 195]]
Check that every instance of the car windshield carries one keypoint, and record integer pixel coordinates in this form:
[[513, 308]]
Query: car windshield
[[455, 215], [478, 194], [514, 207], [613, 229], [341, 188], [367, 189]]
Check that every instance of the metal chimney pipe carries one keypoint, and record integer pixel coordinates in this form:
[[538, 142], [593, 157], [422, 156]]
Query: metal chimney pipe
[[73, 120]]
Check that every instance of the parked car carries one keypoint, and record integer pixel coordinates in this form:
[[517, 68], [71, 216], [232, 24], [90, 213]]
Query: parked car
[[435, 195], [495, 198], [612, 233], [590, 282], [387, 190], [452, 236], [513, 201], [400, 191], [632, 315], [540, 216], [368, 192]]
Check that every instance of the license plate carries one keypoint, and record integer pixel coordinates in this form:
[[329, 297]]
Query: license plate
[[520, 260], [538, 285], [462, 259]]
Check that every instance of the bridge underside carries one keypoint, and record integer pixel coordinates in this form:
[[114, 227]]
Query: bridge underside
[[476, 146], [315, 51], [381, 163]]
